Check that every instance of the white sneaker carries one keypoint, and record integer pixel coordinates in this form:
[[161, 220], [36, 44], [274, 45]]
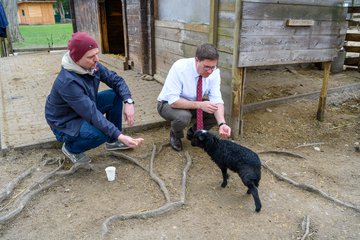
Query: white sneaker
[[76, 158]]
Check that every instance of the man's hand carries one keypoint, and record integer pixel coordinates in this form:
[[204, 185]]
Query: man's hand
[[208, 107], [129, 114], [129, 141], [224, 131]]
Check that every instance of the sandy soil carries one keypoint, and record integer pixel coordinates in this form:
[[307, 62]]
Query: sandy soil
[[77, 205]]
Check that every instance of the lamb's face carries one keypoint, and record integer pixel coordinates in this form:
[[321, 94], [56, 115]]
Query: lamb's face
[[199, 138]]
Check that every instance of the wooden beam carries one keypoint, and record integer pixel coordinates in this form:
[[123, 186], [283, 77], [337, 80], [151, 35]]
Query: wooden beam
[[73, 16], [214, 9], [125, 30], [352, 61], [237, 78], [352, 49], [2, 48], [8, 43], [351, 88], [353, 10], [103, 28], [323, 92], [352, 37]]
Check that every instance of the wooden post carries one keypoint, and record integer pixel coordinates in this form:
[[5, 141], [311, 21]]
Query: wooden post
[[352, 4], [73, 16], [8, 45], [103, 28], [238, 87], [126, 40], [238, 78], [323, 93], [214, 9], [2, 47]]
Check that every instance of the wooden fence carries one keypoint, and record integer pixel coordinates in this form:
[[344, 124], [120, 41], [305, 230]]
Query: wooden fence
[[352, 44]]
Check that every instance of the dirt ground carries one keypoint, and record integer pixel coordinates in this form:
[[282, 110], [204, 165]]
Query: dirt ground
[[77, 205]]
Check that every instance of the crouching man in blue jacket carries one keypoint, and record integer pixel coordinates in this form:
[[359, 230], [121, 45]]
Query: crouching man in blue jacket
[[75, 109]]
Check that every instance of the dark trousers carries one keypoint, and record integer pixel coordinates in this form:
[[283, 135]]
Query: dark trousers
[[108, 103], [181, 118]]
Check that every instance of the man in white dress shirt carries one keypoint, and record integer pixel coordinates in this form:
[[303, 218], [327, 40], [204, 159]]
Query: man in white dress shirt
[[177, 100]]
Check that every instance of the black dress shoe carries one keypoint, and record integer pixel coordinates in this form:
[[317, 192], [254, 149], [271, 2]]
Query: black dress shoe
[[175, 142]]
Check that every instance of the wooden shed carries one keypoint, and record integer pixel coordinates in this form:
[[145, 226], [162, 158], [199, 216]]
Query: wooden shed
[[122, 27], [151, 34], [36, 12]]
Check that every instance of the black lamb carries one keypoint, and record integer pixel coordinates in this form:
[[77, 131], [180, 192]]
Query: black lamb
[[227, 154]]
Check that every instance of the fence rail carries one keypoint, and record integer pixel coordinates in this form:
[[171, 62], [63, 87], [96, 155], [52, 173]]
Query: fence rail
[[352, 40]]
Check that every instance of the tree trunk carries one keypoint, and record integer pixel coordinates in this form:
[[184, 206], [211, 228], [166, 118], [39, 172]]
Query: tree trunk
[[60, 8], [11, 9]]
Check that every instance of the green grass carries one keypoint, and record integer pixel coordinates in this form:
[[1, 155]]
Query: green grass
[[39, 36]]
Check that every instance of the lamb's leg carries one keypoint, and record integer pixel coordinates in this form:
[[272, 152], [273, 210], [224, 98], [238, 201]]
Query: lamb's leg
[[254, 192], [225, 177]]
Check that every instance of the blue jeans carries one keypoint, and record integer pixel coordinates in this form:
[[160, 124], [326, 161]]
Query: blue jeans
[[108, 103]]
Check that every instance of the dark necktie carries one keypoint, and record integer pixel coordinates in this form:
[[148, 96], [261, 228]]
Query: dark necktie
[[199, 112]]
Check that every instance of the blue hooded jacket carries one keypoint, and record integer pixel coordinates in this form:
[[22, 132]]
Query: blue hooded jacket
[[72, 100]]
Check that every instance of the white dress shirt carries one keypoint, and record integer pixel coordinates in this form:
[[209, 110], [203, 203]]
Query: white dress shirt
[[181, 82]]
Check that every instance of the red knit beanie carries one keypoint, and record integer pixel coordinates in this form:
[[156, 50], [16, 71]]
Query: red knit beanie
[[79, 44]]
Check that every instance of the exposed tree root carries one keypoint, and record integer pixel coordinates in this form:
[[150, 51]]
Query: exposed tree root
[[20, 203], [309, 144], [289, 154], [310, 188], [306, 225], [44, 182], [168, 206], [7, 190], [15, 205]]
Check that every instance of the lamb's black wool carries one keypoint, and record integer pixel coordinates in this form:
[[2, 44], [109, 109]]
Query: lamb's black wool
[[227, 154]]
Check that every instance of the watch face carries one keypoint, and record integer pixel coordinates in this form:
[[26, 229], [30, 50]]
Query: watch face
[[129, 101]]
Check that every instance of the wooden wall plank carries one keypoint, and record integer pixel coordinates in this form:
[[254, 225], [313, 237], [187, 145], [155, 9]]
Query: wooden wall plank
[[305, 2], [352, 61], [354, 9], [279, 28], [226, 19], [86, 14], [227, 32], [226, 44], [177, 35], [255, 10], [353, 37], [175, 40], [263, 58], [352, 49], [261, 43], [265, 39], [227, 5], [184, 26], [169, 46]]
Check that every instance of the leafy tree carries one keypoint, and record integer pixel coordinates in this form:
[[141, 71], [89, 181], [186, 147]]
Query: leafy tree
[[62, 8]]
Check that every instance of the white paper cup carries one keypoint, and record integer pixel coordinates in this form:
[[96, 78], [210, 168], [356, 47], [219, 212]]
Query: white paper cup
[[110, 173]]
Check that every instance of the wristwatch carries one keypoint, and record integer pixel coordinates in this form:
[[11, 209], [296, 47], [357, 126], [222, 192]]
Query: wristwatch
[[129, 101]]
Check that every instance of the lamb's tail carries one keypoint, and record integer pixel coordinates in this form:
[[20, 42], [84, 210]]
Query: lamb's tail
[[254, 192]]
